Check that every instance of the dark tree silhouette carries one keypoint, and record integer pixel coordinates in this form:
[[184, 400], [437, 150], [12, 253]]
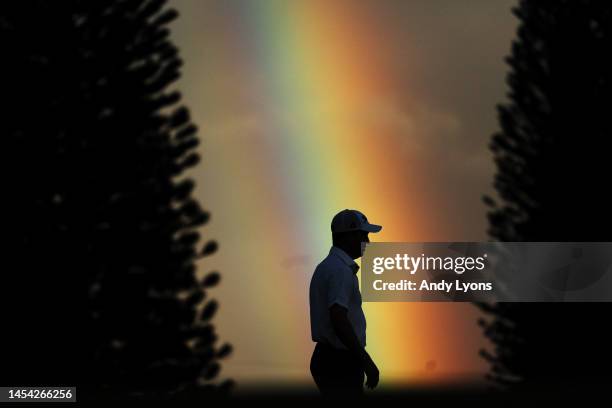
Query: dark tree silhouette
[[553, 165], [102, 223]]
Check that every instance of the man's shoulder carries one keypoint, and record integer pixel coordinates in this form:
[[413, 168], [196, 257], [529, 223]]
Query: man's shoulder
[[330, 265], [321, 268], [324, 267], [329, 262]]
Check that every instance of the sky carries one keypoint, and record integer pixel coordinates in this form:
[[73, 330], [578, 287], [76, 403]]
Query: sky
[[308, 107]]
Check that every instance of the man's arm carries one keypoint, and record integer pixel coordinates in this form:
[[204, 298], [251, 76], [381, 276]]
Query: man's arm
[[344, 330]]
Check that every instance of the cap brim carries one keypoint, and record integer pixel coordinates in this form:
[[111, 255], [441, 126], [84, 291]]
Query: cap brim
[[371, 228]]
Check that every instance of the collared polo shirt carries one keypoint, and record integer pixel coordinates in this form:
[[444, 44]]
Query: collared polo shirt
[[335, 282]]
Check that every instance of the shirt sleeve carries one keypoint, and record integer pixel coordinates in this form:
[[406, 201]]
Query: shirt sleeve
[[340, 288]]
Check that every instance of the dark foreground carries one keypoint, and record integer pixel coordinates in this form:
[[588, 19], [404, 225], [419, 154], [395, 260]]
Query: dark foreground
[[473, 396]]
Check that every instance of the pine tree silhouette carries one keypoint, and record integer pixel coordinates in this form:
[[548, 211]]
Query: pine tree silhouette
[[102, 223], [552, 157]]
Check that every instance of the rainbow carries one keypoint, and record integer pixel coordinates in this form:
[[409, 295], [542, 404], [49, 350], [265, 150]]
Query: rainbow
[[320, 71]]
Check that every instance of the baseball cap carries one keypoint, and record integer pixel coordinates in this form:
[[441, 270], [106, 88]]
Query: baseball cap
[[352, 220]]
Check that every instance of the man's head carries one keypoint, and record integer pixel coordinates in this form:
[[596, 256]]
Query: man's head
[[349, 229]]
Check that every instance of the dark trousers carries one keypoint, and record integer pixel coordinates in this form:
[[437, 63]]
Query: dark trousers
[[336, 372]]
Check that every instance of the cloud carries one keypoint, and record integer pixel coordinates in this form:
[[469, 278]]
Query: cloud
[[419, 127]]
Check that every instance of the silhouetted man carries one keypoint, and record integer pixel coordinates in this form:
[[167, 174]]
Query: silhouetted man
[[337, 322]]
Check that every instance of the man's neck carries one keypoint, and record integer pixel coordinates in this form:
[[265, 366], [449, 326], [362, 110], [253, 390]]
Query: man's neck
[[345, 251]]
